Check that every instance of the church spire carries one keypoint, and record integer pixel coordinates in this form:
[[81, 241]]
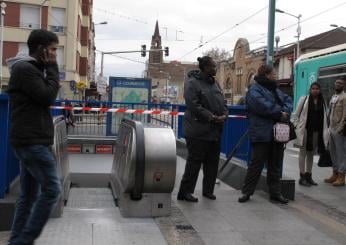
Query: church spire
[[156, 44], [157, 31]]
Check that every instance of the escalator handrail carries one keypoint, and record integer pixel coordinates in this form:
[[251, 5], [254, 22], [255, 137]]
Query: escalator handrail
[[136, 193]]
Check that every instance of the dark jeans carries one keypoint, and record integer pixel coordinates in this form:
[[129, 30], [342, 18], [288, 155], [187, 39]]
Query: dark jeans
[[40, 189], [272, 154], [200, 151]]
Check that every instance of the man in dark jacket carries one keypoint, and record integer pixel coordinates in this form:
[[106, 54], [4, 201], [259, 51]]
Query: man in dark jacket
[[204, 117], [33, 87]]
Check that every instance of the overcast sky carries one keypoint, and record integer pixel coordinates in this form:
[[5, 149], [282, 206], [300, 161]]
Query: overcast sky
[[185, 23]]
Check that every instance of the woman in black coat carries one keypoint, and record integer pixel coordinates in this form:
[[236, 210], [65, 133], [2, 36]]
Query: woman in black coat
[[205, 114]]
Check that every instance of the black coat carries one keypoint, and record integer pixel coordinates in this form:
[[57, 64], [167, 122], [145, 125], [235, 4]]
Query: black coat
[[32, 89], [203, 98]]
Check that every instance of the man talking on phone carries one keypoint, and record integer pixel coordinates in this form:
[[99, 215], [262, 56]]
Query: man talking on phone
[[33, 87]]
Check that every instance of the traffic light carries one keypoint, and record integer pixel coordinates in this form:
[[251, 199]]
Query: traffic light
[[166, 51], [144, 50]]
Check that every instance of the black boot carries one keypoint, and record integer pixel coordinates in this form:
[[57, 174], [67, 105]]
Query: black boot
[[209, 196], [244, 198], [187, 197], [279, 199], [309, 179], [303, 181]]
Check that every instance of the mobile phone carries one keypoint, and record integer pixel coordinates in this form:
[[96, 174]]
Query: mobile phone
[[43, 54]]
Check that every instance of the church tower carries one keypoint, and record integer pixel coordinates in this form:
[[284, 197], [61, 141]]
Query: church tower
[[156, 56]]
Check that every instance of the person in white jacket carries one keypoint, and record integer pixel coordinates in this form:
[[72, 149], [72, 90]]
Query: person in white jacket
[[310, 121]]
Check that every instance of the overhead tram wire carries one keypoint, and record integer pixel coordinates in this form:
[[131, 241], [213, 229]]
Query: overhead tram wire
[[290, 26], [122, 16], [252, 42], [313, 16], [283, 29], [225, 31], [145, 22]]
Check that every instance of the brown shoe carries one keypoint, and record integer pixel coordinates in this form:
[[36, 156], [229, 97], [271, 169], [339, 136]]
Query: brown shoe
[[332, 178], [340, 180]]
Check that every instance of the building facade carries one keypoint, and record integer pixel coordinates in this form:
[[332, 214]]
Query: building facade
[[71, 21], [236, 74], [167, 76]]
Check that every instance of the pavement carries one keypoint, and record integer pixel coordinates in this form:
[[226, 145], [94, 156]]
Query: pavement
[[316, 217]]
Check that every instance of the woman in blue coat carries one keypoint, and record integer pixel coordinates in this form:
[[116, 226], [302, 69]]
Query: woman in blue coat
[[266, 105]]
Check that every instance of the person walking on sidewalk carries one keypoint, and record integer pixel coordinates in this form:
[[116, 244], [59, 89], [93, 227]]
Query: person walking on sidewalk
[[266, 105], [33, 88], [337, 115], [206, 112], [310, 122]]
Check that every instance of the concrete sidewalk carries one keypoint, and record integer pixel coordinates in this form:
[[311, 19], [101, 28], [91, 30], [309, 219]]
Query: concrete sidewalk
[[257, 222], [335, 197], [316, 217]]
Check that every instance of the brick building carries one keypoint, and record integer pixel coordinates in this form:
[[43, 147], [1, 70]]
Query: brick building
[[236, 74], [163, 73], [70, 20]]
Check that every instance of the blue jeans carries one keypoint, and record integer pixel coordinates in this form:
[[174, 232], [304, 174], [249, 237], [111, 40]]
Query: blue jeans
[[40, 190]]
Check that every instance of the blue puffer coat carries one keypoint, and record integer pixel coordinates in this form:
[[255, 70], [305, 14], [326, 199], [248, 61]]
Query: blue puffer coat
[[264, 111]]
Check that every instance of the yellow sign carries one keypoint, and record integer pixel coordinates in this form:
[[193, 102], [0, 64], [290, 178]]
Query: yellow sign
[[81, 85]]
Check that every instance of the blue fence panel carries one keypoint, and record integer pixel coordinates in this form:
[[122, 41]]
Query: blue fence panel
[[9, 166], [180, 134], [234, 129]]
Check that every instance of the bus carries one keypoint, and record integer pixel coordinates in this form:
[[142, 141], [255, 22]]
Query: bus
[[322, 66]]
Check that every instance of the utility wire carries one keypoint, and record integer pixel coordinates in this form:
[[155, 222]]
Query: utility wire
[[290, 26], [224, 32], [121, 16]]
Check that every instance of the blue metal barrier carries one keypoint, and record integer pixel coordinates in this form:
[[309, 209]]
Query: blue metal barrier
[[233, 130], [9, 166]]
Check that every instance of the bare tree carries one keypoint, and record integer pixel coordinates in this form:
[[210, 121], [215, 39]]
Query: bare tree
[[217, 54]]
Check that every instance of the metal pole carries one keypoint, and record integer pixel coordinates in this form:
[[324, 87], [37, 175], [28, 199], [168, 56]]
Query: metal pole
[[167, 89], [271, 27], [298, 36], [3, 6], [102, 57]]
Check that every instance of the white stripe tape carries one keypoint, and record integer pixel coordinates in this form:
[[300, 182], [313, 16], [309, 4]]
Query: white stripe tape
[[130, 111], [113, 110]]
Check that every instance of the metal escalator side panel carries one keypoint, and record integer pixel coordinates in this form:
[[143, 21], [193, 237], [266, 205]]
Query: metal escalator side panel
[[125, 159], [160, 157], [137, 191], [59, 149]]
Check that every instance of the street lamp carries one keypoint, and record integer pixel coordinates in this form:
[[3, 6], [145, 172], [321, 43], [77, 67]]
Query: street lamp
[[167, 82], [44, 1], [299, 30], [338, 27], [101, 23], [102, 53], [3, 12]]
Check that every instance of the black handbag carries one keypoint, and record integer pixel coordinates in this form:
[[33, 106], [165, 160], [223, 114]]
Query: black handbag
[[293, 134], [325, 160]]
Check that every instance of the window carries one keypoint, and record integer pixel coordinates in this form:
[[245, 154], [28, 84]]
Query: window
[[327, 77], [58, 20], [29, 16]]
